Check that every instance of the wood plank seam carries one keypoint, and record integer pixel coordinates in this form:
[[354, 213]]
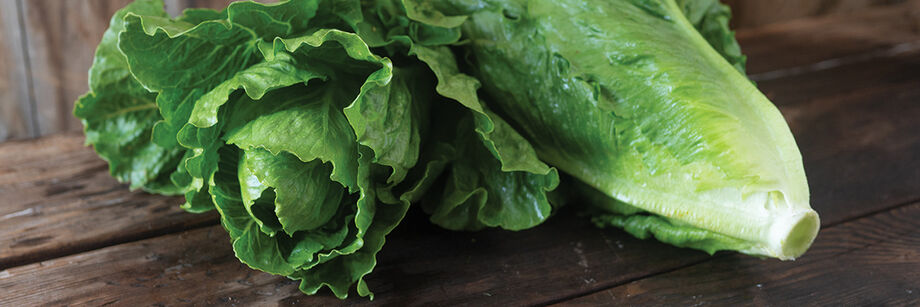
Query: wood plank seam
[[626, 281], [49, 255], [891, 51], [60, 199], [868, 262], [867, 215], [27, 63]]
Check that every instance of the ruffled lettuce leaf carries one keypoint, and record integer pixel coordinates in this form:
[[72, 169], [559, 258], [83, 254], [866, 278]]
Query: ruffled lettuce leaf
[[477, 192], [119, 114], [485, 150], [710, 18], [336, 255], [495, 178]]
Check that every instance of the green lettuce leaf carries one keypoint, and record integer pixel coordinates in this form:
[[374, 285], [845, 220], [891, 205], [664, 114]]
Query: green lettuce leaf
[[118, 114], [477, 191], [486, 150], [710, 18], [495, 178]]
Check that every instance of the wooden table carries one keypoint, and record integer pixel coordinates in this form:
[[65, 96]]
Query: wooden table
[[849, 87]]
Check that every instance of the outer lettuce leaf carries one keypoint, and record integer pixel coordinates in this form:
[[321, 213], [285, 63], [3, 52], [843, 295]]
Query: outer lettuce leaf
[[118, 114], [498, 181], [495, 158], [660, 121], [710, 18], [386, 120], [336, 255], [181, 79], [191, 60], [385, 24], [477, 192]]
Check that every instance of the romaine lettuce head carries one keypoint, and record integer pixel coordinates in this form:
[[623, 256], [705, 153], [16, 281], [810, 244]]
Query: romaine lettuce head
[[277, 115], [632, 99], [311, 125]]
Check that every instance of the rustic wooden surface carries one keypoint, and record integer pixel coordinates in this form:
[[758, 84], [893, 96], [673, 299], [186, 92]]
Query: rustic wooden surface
[[750, 14], [46, 48], [805, 45], [854, 117], [58, 199], [872, 261], [16, 118]]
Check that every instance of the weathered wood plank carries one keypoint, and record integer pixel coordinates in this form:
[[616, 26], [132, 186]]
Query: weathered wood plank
[[856, 126], [805, 45], [873, 261], [421, 264], [123, 274], [16, 120], [750, 14], [59, 199], [62, 38]]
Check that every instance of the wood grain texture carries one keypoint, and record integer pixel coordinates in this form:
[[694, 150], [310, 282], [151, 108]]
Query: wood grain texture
[[749, 14], [872, 261], [59, 199], [421, 264], [857, 128], [855, 124], [62, 38], [805, 45], [16, 120]]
